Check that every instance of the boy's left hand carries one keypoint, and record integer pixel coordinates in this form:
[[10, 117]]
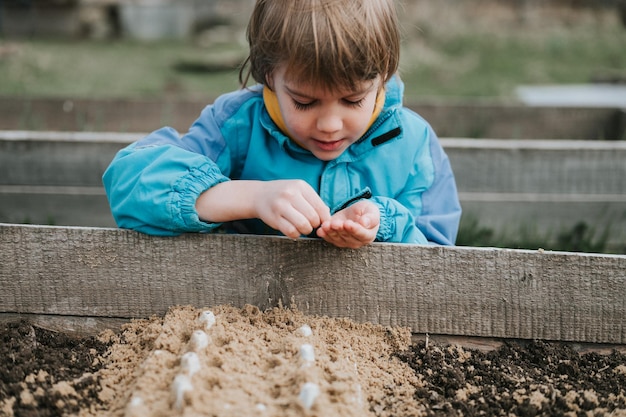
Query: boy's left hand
[[352, 227]]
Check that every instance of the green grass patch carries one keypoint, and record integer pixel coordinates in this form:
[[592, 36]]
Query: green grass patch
[[464, 64], [110, 69], [489, 65]]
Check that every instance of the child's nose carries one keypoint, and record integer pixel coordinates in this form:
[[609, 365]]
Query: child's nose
[[329, 122]]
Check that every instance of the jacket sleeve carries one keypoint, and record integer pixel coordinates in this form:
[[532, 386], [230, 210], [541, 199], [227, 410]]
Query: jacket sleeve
[[397, 223], [152, 185], [441, 210], [423, 215]]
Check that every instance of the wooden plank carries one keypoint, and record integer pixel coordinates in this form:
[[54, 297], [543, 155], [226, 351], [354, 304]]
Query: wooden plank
[[58, 158], [437, 290], [539, 167], [475, 118], [487, 344], [504, 185], [484, 119], [542, 188], [49, 205], [533, 167]]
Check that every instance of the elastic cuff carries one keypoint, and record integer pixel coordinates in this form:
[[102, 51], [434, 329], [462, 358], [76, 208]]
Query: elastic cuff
[[186, 193], [385, 229]]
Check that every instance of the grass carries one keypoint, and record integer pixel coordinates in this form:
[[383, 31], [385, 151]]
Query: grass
[[107, 69], [486, 65], [466, 64]]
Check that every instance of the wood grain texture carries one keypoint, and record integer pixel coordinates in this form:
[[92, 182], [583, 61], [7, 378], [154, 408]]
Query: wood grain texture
[[482, 292]]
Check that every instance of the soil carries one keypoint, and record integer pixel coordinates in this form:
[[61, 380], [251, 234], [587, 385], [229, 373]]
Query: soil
[[45, 373], [253, 363]]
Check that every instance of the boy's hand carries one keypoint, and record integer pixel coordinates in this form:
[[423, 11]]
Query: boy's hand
[[352, 227], [290, 206]]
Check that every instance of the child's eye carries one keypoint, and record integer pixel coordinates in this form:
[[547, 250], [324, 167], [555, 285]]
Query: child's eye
[[354, 103], [302, 106], [305, 106]]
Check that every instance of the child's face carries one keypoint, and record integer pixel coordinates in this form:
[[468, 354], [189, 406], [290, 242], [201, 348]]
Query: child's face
[[325, 122]]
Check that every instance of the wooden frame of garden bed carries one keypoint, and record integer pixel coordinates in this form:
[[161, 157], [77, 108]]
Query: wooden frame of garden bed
[[92, 278], [471, 118], [512, 187]]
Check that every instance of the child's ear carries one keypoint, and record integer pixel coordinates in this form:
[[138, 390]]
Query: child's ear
[[269, 81]]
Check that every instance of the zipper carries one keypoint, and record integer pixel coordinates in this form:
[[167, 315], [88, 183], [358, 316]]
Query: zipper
[[362, 195]]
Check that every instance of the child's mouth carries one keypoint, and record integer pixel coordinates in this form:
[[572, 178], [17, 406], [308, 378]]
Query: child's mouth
[[329, 146]]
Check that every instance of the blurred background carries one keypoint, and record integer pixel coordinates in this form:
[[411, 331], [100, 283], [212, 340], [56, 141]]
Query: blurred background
[[528, 96], [452, 48]]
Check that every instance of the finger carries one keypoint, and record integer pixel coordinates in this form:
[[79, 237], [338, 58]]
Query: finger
[[317, 211], [287, 229], [328, 230], [339, 237], [365, 222], [289, 222], [358, 233], [327, 233], [346, 241], [307, 216], [294, 224], [355, 230], [307, 206]]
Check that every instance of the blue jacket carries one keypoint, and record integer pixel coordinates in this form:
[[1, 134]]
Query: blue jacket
[[152, 185]]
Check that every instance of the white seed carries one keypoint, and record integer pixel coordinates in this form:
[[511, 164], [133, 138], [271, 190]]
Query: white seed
[[358, 397], [190, 363], [136, 401], [136, 407], [198, 341], [308, 394], [207, 318], [261, 407], [307, 353], [305, 330], [181, 385]]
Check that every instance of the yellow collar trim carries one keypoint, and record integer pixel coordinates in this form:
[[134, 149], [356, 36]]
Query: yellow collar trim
[[273, 108]]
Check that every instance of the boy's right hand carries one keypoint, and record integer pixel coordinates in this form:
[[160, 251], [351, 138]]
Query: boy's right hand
[[290, 206]]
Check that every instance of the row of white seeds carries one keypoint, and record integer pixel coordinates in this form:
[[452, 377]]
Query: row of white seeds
[[309, 390], [190, 362]]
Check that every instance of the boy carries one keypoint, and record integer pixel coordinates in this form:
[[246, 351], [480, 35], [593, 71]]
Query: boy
[[321, 147]]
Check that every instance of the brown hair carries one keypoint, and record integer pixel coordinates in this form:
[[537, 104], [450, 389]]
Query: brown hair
[[329, 43]]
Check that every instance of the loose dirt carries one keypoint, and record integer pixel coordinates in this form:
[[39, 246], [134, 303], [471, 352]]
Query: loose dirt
[[284, 363]]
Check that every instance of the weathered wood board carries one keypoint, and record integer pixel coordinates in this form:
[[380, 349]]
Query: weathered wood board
[[499, 293], [542, 187], [56, 177], [505, 185], [475, 119]]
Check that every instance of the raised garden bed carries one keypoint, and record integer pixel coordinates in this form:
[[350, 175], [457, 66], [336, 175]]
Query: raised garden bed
[[100, 272], [362, 308]]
